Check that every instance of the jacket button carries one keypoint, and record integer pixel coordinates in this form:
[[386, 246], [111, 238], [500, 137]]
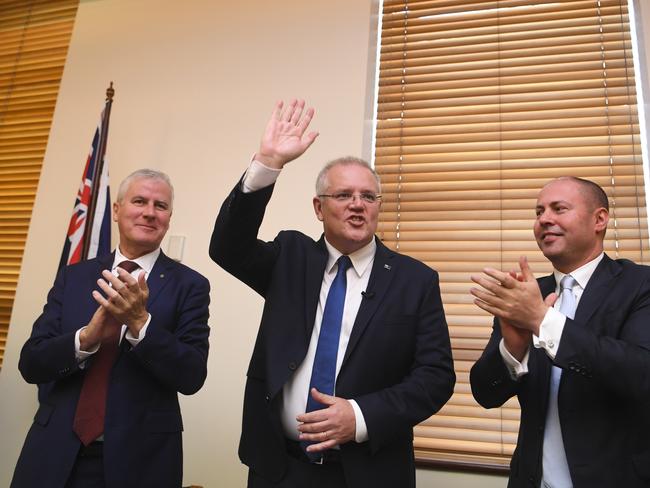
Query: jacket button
[[292, 366], [267, 398]]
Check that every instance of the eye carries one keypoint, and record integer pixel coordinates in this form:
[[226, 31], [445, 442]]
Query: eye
[[343, 196], [162, 206], [369, 197], [138, 201]]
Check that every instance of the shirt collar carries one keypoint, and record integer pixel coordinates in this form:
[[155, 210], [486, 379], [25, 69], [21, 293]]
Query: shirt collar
[[146, 261], [360, 258], [583, 274]]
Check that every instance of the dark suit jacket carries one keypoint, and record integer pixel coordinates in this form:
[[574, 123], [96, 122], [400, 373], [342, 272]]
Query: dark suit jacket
[[604, 395], [142, 437], [397, 365]]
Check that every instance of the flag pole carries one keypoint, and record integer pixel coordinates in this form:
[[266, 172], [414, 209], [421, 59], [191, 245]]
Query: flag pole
[[97, 170]]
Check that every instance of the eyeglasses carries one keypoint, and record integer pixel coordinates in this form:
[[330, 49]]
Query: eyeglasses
[[346, 197]]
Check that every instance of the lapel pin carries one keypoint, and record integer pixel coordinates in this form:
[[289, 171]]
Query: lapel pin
[[162, 275], [387, 266]]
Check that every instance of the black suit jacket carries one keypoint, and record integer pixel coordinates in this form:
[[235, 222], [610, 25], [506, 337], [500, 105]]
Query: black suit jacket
[[142, 436], [604, 393], [397, 366]]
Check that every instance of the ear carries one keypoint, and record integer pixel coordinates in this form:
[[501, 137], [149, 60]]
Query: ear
[[318, 208], [601, 216], [116, 207]]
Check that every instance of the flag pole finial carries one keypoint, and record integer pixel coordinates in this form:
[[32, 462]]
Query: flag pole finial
[[110, 91]]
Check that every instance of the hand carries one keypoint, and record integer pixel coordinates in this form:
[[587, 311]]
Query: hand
[[329, 427], [517, 300], [126, 298], [99, 328], [284, 138]]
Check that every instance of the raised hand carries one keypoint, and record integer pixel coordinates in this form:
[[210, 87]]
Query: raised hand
[[284, 138]]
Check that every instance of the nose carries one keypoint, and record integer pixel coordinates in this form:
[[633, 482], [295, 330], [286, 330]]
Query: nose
[[148, 210], [544, 217], [356, 200]]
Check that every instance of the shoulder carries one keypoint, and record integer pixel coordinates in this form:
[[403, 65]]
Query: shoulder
[[408, 264]]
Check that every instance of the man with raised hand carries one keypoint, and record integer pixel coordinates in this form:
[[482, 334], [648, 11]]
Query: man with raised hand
[[353, 349]]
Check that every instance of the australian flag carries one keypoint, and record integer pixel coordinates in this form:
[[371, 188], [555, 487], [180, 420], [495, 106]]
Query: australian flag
[[89, 232]]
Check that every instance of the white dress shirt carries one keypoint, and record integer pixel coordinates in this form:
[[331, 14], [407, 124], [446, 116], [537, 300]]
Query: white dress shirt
[[146, 263], [295, 391]]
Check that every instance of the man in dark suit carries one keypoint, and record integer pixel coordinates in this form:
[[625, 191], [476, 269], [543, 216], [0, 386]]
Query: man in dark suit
[[575, 349], [157, 316], [390, 365]]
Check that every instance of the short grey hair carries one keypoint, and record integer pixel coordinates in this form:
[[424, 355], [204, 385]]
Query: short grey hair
[[321, 179], [145, 173]]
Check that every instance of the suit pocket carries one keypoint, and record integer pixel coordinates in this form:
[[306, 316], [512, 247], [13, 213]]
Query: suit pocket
[[43, 414], [163, 421]]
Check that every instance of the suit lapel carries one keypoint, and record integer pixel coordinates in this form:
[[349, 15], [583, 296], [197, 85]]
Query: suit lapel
[[313, 281], [161, 274], [383, 270], [598, 286], [547, 286]]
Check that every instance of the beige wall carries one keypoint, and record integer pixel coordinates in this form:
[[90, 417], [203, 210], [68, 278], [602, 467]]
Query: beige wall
[[195, 82]]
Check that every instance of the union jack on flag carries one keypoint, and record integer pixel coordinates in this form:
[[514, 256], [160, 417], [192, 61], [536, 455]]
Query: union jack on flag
[[88, 239]]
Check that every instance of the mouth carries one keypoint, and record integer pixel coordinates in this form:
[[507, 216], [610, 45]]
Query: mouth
[[550, 236], [356, 220]]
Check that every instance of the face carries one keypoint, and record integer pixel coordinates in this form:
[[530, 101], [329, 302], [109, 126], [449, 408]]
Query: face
[[143, 216], [348, 226], [570, 227]]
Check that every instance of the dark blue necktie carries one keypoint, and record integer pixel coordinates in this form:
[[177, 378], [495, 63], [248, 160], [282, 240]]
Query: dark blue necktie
[[324, 372]]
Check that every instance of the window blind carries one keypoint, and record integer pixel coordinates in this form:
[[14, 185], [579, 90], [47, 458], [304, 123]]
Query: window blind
[[479, 104], [34, 38]]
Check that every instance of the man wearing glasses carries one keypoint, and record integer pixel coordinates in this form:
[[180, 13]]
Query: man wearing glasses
[[353, 349]]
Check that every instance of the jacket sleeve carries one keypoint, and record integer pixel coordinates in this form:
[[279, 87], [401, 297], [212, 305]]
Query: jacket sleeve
[[489, 377], [49, 353], [177, 356], [234, 244]]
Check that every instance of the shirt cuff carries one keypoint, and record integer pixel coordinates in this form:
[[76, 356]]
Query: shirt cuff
[[361, 432], [78, 353], [550, 332], [258, 176], [143, 332], [516, 368]]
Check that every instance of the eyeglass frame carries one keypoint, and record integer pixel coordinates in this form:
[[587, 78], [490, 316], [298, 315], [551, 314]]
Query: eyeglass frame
[[346, 196]]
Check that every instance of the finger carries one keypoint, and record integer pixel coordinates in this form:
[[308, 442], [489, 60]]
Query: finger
[[288, 112], [315, 416], [525, 269], [277, 110], [305, 121], [142, 283], [488, 298], [100, 299], [492, 286], [109, 290], [550, 299], [499, 276], [313, 428], [112, 279], [488, 308], [297, 112], [322, 446], [125, 277]]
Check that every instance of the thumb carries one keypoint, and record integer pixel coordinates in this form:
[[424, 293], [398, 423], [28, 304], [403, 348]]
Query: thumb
[[322, 397], [550, 299]]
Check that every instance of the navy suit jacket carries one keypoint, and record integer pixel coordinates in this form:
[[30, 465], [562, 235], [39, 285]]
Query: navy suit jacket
[[397, 366], [604, 393], [142, 436]]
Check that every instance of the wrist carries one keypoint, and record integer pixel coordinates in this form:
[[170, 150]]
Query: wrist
[[269, 161]]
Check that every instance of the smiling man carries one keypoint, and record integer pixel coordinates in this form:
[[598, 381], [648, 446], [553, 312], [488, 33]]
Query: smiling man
[[353, 349], [120, 336], [574, 347]]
